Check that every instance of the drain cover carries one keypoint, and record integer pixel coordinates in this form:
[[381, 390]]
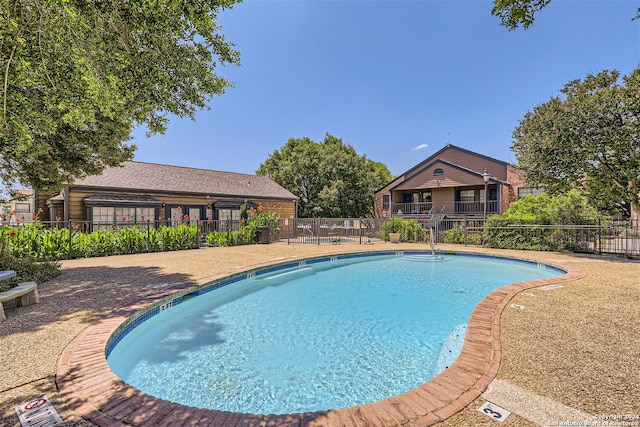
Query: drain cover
[[38, 413]]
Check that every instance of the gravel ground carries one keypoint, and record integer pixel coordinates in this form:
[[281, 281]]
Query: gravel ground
[[578, 345]]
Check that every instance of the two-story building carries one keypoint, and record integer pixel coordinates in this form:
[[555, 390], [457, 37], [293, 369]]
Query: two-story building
[[452, 183]]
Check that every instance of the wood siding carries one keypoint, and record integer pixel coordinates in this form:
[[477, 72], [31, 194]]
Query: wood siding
[[77, 208], [475, 162], [452, 177], [444, 197]]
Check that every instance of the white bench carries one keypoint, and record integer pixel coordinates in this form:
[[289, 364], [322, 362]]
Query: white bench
[[23, 294]]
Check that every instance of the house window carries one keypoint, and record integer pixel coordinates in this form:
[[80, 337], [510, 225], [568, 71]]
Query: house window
[[385, 202], [426, 196], [23, 207], [176, 215], [145, 214], [467, 195], [528, 190], [125, 214], [110, 214], [438, 171], [232, 214], [103, 214], [194, 215]]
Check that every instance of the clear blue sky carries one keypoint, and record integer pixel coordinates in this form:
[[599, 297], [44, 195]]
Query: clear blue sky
[[388, 77]]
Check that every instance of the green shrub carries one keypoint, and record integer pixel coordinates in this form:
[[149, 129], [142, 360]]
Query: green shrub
[[248, 233], [520, 226], [410, 230], [27, 270], [217, 238], [457, 235]]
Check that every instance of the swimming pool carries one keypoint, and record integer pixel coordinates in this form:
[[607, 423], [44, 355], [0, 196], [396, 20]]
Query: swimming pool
[[322, 333]]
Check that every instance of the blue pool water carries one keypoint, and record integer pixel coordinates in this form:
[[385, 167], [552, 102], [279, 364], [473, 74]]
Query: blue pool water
[[319, 336]]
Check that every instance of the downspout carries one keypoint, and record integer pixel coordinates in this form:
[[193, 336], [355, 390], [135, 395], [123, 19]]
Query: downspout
[[65, 205]]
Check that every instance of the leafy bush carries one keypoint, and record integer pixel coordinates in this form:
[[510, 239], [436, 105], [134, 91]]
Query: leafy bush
[[32, 241], [27, 270], [410, 230], [248, 233], [457, 235], [217, 238], [521, 226]]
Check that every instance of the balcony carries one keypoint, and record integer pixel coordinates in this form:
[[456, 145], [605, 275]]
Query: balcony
[[457, 209], [411, 209], [476, 208]]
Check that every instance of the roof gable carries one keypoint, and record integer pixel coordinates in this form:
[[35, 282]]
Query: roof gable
[[452, 176], [447, 154]]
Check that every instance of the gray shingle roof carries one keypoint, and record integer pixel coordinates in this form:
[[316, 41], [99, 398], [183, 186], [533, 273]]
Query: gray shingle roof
[[151, 177]]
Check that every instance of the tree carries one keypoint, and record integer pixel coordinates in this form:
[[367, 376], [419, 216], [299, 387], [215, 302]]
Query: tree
[[568, 208], [587, 138], [513, 13], [329, 177], [77, 76]]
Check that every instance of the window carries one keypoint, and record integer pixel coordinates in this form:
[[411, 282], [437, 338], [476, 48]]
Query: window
[[110, 214], [101, 214], [527, 190], [232, 214], [467, 195], [125, 214], [23, 207], [385, 201], [426, 196], [438, 171], [176, 215], [194, 215], [145, 214]]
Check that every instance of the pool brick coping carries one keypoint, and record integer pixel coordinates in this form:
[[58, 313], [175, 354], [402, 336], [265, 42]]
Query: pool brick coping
[[88, 385]]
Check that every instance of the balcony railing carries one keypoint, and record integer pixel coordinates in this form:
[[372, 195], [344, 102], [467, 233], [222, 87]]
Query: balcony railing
[[418, 208], [424, 208], [476, 207]]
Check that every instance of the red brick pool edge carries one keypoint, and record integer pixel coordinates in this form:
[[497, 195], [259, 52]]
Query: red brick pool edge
[[90, 387]]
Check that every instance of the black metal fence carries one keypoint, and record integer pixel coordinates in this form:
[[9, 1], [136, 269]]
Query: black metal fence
[[330, 230], [614, 237], [71, 239]]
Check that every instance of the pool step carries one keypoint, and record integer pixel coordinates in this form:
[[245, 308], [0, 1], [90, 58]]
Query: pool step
[[451, 348], [278, 278], [424, 258]]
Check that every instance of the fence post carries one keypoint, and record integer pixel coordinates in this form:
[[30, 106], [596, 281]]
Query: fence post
[[70, 240], [464, 228], [599, 237]]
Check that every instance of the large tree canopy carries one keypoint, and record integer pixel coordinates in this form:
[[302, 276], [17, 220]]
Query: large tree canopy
[[514, 13], [78, 75], [329, 177], [587, 138]]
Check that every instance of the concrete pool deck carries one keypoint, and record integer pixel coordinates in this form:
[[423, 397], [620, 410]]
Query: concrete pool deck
[[570, 352]]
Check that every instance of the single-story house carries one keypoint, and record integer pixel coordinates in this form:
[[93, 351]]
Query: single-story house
[[139, 191], [451, 182]]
